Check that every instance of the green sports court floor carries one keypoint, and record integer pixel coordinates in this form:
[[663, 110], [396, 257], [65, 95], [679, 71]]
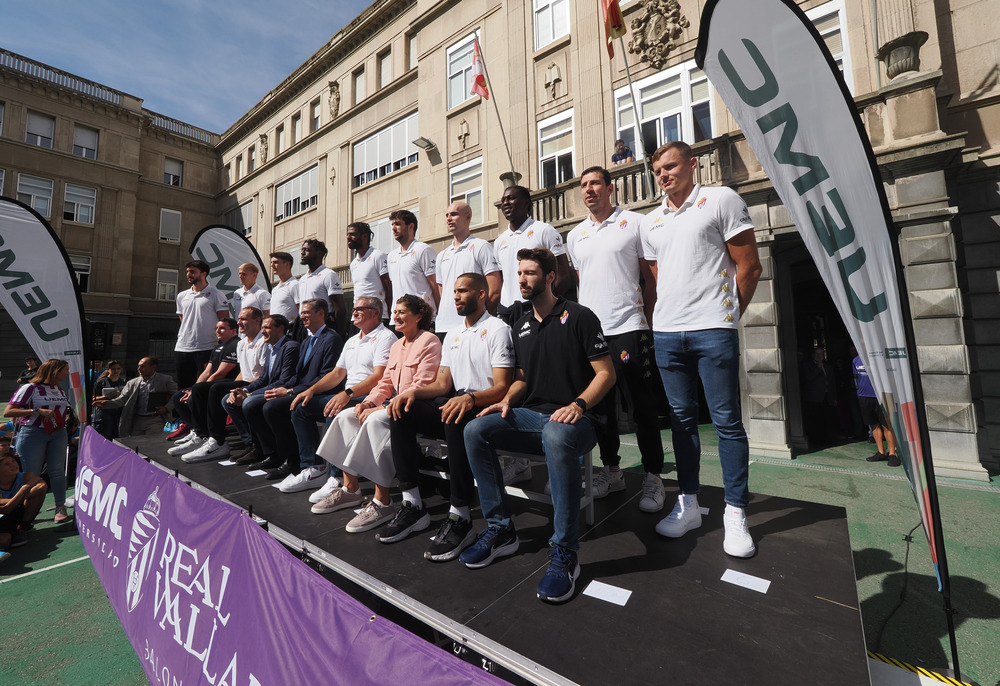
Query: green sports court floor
[[58, 627]]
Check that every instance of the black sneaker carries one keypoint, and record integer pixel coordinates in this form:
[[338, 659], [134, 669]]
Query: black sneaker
[[454, 536], [407, 520], [877, 457], [18, 539], [559, 582], [894, 461], [492, 543]]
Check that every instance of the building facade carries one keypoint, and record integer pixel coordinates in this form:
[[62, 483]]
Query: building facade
[[337, 141]]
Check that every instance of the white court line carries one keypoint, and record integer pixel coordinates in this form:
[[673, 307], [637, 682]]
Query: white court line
[[44, 569]]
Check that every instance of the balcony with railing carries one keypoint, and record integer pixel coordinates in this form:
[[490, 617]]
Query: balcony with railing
[[179, 128], [23, 65]]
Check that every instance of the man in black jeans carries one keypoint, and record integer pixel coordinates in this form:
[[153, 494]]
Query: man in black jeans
[[477, 362]]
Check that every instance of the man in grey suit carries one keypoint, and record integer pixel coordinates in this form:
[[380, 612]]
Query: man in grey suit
[[141, 413]]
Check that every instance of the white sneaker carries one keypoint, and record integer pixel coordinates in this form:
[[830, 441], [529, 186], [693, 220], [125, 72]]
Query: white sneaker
[[187, 446], [607, 481], [685, 516], [516, 470], [306, 480], [331, 485], [652, 493], [738, 541], [186, 438], [209, 449]]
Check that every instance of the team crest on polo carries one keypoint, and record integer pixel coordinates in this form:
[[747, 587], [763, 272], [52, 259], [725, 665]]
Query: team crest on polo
[[141, 546], [623, 223], [701, 203], [564, 317]]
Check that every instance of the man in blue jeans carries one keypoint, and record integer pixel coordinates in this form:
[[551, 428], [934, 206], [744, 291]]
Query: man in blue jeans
[[563, 369], [703, 252]]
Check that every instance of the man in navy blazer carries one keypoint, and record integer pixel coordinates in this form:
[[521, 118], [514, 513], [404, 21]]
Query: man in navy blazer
[[279, 370], [318, 354]]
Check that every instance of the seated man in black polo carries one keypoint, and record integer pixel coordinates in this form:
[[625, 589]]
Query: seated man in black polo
[[477, 361], [563, 370]]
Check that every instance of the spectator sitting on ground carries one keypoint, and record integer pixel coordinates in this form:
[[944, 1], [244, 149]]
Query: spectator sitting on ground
[[21, 498]]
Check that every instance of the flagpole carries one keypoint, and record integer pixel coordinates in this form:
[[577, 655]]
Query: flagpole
[[647, 177], [489, 84]]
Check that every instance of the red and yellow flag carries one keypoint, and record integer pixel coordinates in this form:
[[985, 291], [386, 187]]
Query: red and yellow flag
[[478, 73], [614, 23]]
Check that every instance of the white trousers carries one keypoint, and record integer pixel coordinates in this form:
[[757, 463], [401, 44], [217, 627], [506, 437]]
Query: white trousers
[[360, 449]]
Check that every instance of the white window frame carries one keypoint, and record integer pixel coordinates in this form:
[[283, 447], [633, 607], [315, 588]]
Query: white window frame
[[82, 135], [239, 167], [1, 116], [459, 71], [79, 204], [411, 51], [279, 139], [688, 78], [844, 57], [82, 265], [40, 121], [385, 151], [297, 194], [385, 68], [315, 115], [31, 190], [2, 172], [166, 284], [382, 232], [559, 154], [546, 16], [173, 172], [296, 128], [168, 233], [358, 85], [466, 173], [251, 159]]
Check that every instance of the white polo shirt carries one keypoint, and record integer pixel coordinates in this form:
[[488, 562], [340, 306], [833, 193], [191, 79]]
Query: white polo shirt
[[362, 353], [252, 354], [411, 271], [255, 296], [696, 277], [530, 234], [199, 315], [366, 273], [473, 255], [321, 284], [285, 298], [607, 256], [472, 353]]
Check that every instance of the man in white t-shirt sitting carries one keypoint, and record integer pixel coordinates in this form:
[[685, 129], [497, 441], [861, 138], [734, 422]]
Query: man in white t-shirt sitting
[[360, 366], [412, 264], [703, 251], [198, 308], [466, 253], [284, 294], [250, 294]]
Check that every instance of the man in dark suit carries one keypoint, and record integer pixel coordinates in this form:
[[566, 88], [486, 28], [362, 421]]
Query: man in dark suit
[[279, 370], [273, 420]]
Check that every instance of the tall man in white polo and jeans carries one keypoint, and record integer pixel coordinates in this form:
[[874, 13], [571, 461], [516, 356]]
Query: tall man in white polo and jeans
[[607, 254], [704, 254], [198, 308]]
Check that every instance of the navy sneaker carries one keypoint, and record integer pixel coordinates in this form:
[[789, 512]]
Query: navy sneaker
[[494, 542], [559, 582]]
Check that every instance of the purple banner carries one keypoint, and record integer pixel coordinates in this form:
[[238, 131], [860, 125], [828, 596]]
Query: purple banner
[[206, 596]]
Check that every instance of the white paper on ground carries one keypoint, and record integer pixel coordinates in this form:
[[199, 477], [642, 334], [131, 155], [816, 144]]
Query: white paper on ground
[[603, 591], [227, 463], [704, 511], [754, 583], [256, 472]]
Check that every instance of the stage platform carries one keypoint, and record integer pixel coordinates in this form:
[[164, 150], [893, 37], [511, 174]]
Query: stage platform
[[682, 623]]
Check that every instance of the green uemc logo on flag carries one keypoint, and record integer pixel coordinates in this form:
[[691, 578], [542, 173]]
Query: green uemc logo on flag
[[895, 353]]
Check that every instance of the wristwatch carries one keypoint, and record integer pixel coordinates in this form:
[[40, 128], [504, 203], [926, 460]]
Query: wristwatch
[[349, 392], [582, 403]]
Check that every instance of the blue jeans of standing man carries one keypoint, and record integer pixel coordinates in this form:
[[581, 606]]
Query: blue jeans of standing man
[[528, 431], [713, 355], [35, 447]]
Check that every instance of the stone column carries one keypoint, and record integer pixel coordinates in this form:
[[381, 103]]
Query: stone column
[[764, 402]]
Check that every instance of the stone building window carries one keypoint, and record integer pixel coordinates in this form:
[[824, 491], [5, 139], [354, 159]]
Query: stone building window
[[386, 151], [170, 226], [79, 204], [81, 267], [85, 142], [173, 171], [166, 284], [36, 193], [555, 149], [297, 194], [465, 182], [551, 21], [460, 71], [40, 129]]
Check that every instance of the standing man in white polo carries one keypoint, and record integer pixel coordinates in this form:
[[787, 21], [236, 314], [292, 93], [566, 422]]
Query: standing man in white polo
[[616, 283], [322, 282], [369, 268], [249, 294], [284, 294], [199, 308], [412, 264], [466, 253]]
